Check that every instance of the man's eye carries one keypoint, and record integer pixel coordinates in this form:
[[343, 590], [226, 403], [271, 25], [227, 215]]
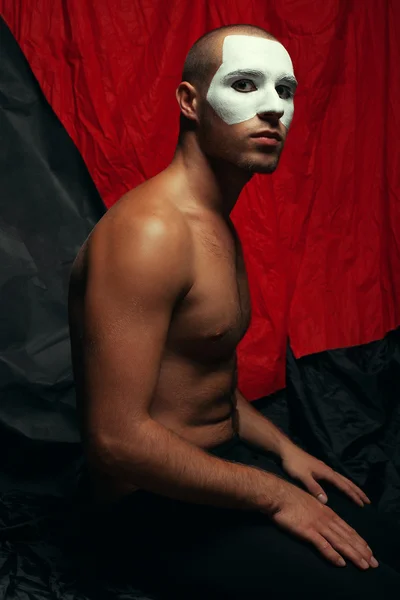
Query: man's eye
[[284, 92], [244, 85]]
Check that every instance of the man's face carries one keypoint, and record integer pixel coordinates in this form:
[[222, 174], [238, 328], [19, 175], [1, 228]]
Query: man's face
[[249, 104]]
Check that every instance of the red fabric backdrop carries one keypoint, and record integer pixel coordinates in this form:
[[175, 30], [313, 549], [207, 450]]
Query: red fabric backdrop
[[322, 235]]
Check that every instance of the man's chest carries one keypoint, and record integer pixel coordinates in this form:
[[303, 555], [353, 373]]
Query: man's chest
[[216, 313]]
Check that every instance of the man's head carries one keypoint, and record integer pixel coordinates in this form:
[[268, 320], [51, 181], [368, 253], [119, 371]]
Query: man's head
[[237, 84]]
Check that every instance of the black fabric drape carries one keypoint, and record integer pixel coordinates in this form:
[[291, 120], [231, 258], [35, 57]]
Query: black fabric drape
[[48, 205], [345, 406]]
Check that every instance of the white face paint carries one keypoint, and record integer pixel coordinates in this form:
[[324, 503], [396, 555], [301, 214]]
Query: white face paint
[[256, 76]]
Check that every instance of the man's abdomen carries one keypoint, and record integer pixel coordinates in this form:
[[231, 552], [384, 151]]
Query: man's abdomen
[[196, 401]]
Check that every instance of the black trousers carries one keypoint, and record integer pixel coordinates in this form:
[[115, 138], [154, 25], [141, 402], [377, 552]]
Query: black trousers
[[181, 550]]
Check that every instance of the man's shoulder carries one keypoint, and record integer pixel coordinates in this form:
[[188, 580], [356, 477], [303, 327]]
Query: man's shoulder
[[143, 229], [148, 212]]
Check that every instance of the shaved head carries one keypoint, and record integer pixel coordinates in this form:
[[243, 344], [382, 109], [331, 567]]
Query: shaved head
[[203, 59], [236, 97]]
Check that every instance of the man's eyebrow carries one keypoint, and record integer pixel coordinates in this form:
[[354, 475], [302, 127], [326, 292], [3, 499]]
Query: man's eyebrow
[[241, 72], [289, 79]]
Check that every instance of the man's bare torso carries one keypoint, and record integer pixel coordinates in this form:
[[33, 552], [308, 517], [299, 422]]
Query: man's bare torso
[[194, 393]]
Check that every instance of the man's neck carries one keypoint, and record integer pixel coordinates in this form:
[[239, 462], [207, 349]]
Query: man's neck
[[213, 184]]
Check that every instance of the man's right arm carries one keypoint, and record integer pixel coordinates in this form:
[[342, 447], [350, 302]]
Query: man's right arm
[[136, 274]]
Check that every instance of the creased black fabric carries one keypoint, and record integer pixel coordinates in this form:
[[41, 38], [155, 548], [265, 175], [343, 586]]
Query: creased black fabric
[[342, 405], [48, 206]]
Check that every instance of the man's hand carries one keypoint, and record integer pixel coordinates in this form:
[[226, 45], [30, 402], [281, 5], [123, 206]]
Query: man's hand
[[300, 514], [307, 469]]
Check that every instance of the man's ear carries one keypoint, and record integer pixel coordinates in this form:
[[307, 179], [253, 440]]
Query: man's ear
[[187, 98]]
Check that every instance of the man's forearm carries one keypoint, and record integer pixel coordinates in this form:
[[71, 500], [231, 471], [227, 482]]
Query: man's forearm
[[257, 430], [155, 459]]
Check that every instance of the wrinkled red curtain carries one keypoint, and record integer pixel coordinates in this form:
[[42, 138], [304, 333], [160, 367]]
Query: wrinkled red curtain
[[321, 235]]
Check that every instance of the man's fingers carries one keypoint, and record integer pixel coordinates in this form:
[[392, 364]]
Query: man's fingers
[[348, 487], [343, 484], [356, 489], [326, 549], [353, 540], [315, 489], [349, 549], [346, 527]]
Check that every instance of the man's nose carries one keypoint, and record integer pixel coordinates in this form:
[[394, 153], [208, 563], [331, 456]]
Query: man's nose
[[271, 115], [271, 107]]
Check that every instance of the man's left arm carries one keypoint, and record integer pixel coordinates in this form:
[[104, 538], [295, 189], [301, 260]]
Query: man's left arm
[[257, 430]]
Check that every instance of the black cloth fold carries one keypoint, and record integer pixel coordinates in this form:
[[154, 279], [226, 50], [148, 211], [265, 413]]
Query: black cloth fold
[[344, 405]]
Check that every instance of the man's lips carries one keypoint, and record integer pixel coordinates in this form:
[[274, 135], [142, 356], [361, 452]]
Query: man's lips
[[273, 135], [267, 137]]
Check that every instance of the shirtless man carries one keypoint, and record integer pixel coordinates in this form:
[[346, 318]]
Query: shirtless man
[[158, 303]]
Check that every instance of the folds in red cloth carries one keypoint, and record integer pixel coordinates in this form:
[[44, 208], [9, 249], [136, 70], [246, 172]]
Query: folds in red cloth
[[322, 235]]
